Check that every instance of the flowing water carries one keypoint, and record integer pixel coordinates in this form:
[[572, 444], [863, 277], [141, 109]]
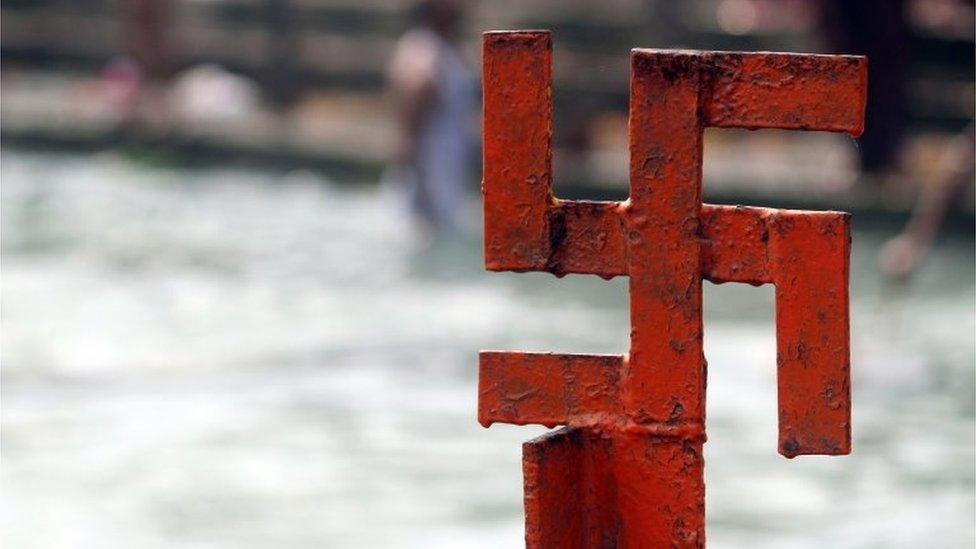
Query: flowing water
[[236, 358]]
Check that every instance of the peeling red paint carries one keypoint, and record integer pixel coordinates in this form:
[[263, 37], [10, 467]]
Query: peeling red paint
[[627, 470]]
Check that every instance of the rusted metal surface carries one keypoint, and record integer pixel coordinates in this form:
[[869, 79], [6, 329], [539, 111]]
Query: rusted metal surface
[[627, 468]]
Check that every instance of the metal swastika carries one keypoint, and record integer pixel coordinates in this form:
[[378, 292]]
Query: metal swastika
[[627, 468]]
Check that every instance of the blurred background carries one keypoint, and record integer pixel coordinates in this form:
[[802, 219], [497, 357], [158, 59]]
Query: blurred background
[[243, 291]]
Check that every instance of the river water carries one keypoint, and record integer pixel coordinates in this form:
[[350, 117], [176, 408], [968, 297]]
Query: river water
[[236, 358]]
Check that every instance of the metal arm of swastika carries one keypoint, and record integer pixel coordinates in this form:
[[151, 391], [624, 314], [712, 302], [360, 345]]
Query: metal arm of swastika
[[628, 468]]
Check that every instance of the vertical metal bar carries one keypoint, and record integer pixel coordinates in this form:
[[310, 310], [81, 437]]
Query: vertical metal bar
[[660, 477], [517, 151]]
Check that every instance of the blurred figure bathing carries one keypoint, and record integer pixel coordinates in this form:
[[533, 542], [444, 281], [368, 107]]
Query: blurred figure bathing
[[433, 93], [142, 77], [880, 29], [953, 172]]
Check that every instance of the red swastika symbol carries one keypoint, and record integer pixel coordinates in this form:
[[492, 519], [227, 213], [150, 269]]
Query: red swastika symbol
[[627, 471]]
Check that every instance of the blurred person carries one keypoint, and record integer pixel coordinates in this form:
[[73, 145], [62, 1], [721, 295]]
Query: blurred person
[[879, 30], [280, 82], [434, 97], [146, 28], [901, 256]]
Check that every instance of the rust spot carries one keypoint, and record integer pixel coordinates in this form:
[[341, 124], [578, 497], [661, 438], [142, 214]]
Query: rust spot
[[557, 235], [790, 447], [676, 410]]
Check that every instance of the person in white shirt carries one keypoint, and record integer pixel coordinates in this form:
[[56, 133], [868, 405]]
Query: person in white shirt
[[434, 96]]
